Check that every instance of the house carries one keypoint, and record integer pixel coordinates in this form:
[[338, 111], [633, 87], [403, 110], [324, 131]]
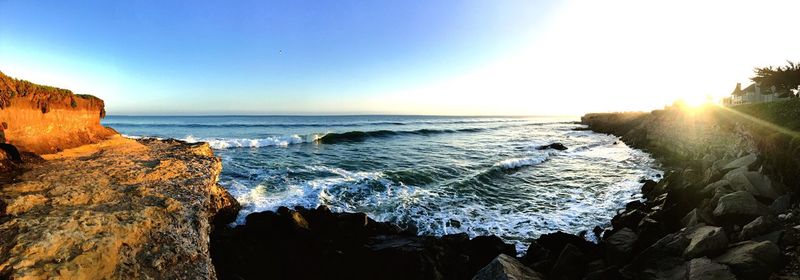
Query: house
[[751, 94]]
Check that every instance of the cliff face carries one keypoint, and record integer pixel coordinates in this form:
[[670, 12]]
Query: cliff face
[[118, 209], [44, 119]]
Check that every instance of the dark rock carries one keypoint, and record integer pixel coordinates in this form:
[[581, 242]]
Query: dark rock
[[753, 182], [738, 208], [11, 152], [758, 226], [483, 249], [695, 217], [570, 265], [752, 260], [628, 219], [633, 205], [555, 242], [536, 253], [710, 189], [648, 186], [705, 241], [781, 204], [619, 246], [661, 260], [706, 269], [776, 237], [505, 267], [555, 146]]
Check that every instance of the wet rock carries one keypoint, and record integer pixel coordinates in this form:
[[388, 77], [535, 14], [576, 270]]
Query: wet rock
[[738, 208], [705, 241], [648, 186], [706, 269], [752, 260], [619, 246], [505, 267], [628, 219], [744, 161], [554, 146]]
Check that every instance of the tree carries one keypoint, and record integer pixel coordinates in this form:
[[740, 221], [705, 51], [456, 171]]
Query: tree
[[785, 79]]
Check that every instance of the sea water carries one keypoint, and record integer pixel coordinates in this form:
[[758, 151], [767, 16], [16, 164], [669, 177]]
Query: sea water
[[440, 175]]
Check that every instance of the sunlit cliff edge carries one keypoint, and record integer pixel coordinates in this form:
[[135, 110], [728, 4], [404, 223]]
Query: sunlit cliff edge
[[44, 119], [86, 203]]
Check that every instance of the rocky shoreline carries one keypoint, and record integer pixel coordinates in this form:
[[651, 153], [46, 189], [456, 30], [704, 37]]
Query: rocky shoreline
[[714, 215], [95, 205]]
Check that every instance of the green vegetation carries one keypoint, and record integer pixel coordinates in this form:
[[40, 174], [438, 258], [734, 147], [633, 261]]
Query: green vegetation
[[785, 79], [785, 113]]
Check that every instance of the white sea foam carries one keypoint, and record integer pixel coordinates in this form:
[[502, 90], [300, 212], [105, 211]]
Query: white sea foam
[[514, 163], [280, 141]]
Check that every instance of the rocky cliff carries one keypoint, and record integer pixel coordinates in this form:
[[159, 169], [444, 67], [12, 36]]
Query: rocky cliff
[[43, 119], [117, 209], [79, 201]]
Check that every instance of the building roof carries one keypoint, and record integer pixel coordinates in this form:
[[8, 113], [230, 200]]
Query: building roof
[[738, 90]]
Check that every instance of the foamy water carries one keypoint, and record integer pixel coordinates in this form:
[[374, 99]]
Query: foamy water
[[441, 175]]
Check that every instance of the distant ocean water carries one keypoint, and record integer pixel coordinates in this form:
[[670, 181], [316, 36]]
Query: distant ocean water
[[442, 175]]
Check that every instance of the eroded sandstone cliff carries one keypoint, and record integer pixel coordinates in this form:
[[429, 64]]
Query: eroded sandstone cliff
[[43, 119], [117, 209]]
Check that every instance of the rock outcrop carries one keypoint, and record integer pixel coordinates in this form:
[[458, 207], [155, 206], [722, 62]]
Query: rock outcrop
[[118, 209], [43, 119]]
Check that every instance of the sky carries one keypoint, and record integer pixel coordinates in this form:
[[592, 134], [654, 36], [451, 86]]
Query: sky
[[449, 57]]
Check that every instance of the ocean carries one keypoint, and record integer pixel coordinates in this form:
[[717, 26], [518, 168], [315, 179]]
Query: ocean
[[441, 175]]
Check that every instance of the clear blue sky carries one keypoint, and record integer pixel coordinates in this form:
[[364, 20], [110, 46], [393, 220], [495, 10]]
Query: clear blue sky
[[163, 57], [464, 57]]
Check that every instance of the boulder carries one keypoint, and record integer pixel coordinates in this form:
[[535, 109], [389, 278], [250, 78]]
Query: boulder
[[706, 269], [556, 241], [648, 186], [719, 193], [555, 146], [711, 188], [738, 208], [570, 265], [754, 183], [758, 226], [662, 260], [781, 204], [705, 241], [619, 246], [483, 249], [752, 260], [695, 217], [733, 172], [505, 267], [776, 237], [744, 161]]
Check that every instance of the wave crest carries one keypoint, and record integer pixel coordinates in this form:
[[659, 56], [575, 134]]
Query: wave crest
[[515, 163], [280, 141]]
